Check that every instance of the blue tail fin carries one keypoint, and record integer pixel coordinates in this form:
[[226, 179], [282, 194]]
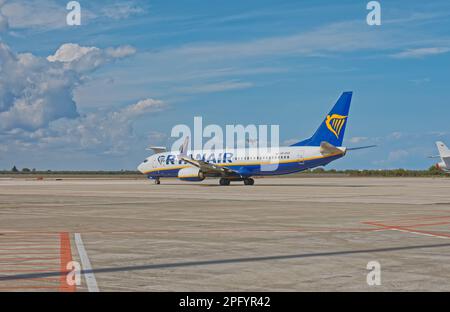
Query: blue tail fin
[[332, 128]]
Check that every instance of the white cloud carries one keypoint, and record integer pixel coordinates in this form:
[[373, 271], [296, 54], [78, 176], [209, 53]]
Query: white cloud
[[102, 132], [421, 81], [122, 10], [421, 52], [3, 23], [290, 142], [155, 137], [397, 155], [336, 37], [326, 40], [83, 59], [35, 91], [51, 14], [35, 14], [217, 87], [356, 140], [70, 52], [121, 51], [396, 135], [140, 108], [105, 132]]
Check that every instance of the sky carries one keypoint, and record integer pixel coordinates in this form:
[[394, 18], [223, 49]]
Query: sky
[[94, 96]]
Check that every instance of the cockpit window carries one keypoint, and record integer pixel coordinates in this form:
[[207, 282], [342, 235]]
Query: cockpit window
[[145, 160]]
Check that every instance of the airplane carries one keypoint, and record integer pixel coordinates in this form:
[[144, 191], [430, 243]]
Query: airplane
[[444, 155], [230, 165]]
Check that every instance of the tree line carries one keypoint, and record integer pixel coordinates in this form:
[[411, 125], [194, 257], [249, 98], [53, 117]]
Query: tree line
[[432, 171]]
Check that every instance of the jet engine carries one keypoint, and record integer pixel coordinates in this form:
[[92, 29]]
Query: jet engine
[[442, 166], [191, 174]]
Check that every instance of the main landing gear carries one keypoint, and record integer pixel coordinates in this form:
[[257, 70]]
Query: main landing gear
[[247, 181], [157, 181]]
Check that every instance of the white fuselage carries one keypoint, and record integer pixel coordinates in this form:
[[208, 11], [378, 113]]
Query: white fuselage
[[247, 162]]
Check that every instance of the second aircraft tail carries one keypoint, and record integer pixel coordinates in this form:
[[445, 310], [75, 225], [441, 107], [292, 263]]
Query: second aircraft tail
[[443, 149]]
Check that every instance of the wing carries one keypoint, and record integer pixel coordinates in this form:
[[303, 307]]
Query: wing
[[209, 168], [206, 167]]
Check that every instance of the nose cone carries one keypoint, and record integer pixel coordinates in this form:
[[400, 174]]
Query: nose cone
[[141, 168]]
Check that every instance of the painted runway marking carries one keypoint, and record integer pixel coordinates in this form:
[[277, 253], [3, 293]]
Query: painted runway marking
[[29, 252], [91, 282], [65, 258], [408, 229]]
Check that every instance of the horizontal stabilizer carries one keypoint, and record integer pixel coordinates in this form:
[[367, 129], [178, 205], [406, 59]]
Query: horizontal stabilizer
[[327, 148], [157, 149]]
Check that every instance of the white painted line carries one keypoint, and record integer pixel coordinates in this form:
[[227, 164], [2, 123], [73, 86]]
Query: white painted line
[[420, 233], [91, 282]]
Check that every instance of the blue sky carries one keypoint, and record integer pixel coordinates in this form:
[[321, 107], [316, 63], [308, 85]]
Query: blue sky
[[94, 96]]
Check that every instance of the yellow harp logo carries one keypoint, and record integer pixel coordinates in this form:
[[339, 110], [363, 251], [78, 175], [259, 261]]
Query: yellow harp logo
[[335, 123]]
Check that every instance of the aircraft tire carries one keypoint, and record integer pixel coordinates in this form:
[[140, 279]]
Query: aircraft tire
[[249, 181]]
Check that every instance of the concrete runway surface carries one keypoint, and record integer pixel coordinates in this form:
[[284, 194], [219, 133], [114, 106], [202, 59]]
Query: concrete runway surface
[[282, 234]]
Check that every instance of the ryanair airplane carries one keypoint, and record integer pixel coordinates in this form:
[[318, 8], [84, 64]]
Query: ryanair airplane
[[243, 164]]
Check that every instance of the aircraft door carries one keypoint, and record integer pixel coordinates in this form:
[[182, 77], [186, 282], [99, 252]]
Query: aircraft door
[[300, 158]]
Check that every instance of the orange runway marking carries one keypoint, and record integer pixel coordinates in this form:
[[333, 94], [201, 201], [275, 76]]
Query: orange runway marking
[[34, 252], [25, 253], [17, 233], [30, 243], [19, 249], [409, 229], [231, 231], [25, 239], [28, 239], [25, 246], [65, 257], [25, 259], [33, 279], [28, 271], [426, 224], [35, 264], [29, 287], [420, 218]]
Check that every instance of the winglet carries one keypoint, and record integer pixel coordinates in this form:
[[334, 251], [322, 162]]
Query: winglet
[[184, 148]]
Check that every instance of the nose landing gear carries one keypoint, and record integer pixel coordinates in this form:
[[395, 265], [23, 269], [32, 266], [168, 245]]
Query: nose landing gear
[[224, 181]]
